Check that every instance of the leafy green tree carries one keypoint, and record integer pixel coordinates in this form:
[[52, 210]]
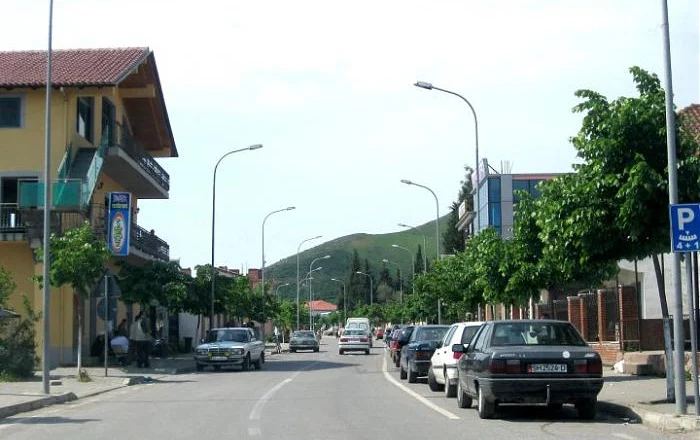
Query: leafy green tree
[[356, 282], [419, 267], [453, 240], [155, 280], [78, 259], [7, 286]]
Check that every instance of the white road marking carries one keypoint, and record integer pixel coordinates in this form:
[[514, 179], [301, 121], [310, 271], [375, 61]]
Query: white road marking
[[625, 436], [417, 396], [257, 409]]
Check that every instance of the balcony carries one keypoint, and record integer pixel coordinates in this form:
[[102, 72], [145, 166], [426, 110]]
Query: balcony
[[128, 163], [66, 194]]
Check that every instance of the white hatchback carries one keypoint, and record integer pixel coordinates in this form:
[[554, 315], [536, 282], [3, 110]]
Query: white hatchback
[[443, 364]]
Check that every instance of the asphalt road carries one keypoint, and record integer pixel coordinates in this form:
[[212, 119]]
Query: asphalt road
[[299, 396]]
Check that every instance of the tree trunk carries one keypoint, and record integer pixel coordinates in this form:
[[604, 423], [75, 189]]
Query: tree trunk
[[80, 335], [661, 287]]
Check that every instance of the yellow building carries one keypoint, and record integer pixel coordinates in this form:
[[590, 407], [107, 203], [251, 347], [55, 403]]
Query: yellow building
[[109, 122]]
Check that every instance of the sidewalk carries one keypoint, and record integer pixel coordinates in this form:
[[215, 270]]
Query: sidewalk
[[641, 398]]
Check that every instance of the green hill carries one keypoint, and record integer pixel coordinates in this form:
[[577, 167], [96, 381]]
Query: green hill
[[373, 247]]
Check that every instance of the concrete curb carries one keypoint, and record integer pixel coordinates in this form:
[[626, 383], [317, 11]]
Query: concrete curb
[[41, 402], [666, 423]]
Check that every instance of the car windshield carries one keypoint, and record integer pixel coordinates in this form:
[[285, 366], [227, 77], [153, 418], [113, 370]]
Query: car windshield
[[431, 333], [354, 332], [528, 333], [227, 335], [305, 334]]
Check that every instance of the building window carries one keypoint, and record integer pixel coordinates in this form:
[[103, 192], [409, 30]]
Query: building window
[[10, 112], [494, 189], [108, 122], [520, 185], [86, 111]]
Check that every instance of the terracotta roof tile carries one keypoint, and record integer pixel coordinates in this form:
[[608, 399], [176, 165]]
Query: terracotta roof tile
[[322, 306], [692, 118], [71, 67]]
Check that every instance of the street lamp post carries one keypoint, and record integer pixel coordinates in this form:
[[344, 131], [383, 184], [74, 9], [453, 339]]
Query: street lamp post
[[413, 264], [264, 318], [311, 316], [425, 255], [277, 290], [213, 222], [298, 249], [345, 299], [398, 266], [437, 212], [371, 290], [429, 86]]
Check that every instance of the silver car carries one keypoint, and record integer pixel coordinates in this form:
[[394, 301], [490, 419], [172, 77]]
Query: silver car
[[303, 340], [354, 339], [230, 346]]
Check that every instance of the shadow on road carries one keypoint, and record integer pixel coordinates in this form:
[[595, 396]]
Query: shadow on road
[[306, 365], [45, 421]]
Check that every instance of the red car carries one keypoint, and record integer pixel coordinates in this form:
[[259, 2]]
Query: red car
[[379, 334]]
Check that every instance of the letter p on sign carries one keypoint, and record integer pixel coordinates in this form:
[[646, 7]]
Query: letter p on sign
[[685, 227]]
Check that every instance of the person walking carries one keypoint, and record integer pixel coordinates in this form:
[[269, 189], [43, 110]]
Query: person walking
[[140, 335]]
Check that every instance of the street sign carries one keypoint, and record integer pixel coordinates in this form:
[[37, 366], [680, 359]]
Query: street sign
[[685, 227]]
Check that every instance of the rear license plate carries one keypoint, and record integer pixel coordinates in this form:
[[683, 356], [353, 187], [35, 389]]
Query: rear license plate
[[354, 340], [218, 358], [547, 368]]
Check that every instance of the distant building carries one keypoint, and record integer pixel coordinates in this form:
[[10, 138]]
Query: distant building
[[320, 307]]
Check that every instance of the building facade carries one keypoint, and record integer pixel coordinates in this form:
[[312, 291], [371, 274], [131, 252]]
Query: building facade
[[109, 124]]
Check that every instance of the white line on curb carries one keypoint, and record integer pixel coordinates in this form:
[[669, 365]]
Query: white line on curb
[[417, 396]]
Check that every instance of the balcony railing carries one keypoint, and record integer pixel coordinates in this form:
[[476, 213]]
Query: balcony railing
[[149, 243], [11, 218], [137, 152], [67, 194]]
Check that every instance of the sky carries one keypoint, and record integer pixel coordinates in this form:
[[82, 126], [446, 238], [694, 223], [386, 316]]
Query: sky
[[327, 88]]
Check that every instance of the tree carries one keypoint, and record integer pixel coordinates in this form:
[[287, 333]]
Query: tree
[[419, 267], [453, 240], [356, 281], [156, 280], [78, 259], [610, 209], [7, 286]]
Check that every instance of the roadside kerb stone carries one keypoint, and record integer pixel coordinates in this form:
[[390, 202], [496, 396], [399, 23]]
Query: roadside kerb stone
[[665, 423], [32, 405]]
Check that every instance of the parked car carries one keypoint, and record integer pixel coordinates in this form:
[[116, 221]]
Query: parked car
[[529, 362], [354, 339], [399, 338], [416, 354], [443, 364], [230, 346], [362, 323], [303, 340]]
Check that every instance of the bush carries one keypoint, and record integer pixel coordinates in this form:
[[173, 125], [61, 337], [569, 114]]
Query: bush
[[18, 346]]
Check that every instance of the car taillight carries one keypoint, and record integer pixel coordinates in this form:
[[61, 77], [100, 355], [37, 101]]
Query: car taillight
[[394, 345], [503, 366], [343, 339], [588, 366], [421, 355], [363, 339], [456, 355]]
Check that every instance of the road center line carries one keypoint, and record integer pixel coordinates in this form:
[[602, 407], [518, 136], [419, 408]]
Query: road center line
[[257, 409], [417, 396]]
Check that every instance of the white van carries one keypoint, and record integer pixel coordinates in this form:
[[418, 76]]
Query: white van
[[362, 323]]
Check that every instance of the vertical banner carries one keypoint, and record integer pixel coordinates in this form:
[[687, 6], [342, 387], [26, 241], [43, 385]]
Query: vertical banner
[[119, 223]]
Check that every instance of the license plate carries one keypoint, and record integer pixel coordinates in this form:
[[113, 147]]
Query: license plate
[[354, 340], [547, 368], [218, 358]]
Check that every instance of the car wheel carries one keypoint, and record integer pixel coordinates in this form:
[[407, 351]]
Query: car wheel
[[366, 352], [450, 390], [258, 364], [262, 357], [199, 366], [463, 401], [554, 407], [397, 362], [402, 373], [315, 350], [485, 408], [292, 350], [587, 408], [432, 383], [245, 366], [412, 375], [341, 352]]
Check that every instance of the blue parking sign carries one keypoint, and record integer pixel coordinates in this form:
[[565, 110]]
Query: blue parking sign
[[685, 227]]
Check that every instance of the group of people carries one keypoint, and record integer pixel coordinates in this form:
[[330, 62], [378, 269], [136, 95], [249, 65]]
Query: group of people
[[130, 342]]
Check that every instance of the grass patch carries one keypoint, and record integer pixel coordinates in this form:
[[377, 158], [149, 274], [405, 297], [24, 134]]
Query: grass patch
[[9, 377], [84, 376]]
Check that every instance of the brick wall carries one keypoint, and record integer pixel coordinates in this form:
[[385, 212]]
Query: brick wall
[[609, 351], [574, 312], [629, 317]]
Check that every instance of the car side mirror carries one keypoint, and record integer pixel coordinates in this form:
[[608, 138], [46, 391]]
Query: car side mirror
[[459, 348]]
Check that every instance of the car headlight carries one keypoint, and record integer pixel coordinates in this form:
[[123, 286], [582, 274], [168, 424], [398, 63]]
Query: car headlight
[[236, 351], [201, 351]]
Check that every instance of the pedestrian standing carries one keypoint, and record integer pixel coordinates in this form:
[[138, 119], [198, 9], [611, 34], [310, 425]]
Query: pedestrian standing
[[139, 333]]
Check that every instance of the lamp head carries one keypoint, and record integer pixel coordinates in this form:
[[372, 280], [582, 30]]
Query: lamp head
[[326, 257], [333, 279], [290, 208], [255, 146], [395, 245], [424, 85], [385, 260], [406, 181]]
